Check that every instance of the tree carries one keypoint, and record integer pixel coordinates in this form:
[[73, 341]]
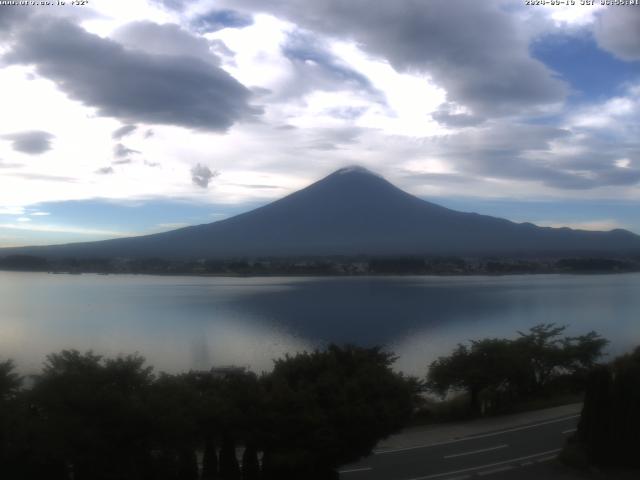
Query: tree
[[328, 408], [543, 349], [487, 364], [10, 381], [609, 427], [92, 415], [505, 370]]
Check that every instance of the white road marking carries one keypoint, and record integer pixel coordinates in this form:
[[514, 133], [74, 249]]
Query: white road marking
[[354, 470], [571, 430], [545, 459], [489, 449], [465, 439], [495, 470], [490, 465]]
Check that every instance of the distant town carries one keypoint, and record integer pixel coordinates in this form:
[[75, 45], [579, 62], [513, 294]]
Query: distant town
[[330, 266]]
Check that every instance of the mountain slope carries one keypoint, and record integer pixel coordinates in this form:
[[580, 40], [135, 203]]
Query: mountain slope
[[350, 212]]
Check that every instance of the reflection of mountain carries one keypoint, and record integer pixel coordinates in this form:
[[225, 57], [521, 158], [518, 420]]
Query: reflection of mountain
[[371, 311], [350, 212]]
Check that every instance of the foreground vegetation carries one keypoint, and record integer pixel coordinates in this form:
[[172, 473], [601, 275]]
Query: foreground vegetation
[[497, 374], [609, 430], [87, 417]]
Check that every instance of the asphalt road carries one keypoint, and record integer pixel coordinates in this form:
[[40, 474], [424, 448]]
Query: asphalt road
[[494, 453]]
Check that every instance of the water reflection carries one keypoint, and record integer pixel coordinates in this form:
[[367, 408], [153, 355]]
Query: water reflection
[[190, 322]]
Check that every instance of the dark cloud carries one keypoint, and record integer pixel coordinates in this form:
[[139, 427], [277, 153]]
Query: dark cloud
[[105, 171], [316, 68], [149, 133], [120, 151], [123, 131], [445, 116], [524, 152], [166, 39], [437, 178], [617, 30], [218, 19], [130, 85], [201, 175], [474, 50], [334, 138], [32, 142], [11, 17]]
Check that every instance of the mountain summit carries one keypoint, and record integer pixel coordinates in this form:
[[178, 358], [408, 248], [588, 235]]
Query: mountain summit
[[350, 212]]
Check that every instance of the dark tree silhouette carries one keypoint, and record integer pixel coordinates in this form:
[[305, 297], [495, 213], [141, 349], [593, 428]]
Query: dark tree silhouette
[[250, 463], [92, 415], [10, 383], [486, 364], [329, 408], [504, 369], [609, 428], [92, 418]]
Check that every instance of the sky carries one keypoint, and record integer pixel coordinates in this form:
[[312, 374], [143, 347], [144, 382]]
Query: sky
[[128, 118]]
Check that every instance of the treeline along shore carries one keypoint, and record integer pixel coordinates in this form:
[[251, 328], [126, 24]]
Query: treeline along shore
[[404, 265], [87, 417]]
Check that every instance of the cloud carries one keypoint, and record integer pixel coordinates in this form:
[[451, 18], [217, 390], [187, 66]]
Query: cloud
[[12, 17], [123, 131], [105, 171], [121, 151], [4, 164], [172, 225], [536, 153], [473, 49], [347, 113], [131, 85], [449, 116], [67, 229], [316, 68], [177, 5], [334, 138], [256, 186], [43, 177], [124, 161], [594, 225], [34, 142], [617, 30], [201, 175], [166, 39], [12, 211], [219, 48], [218, 19]]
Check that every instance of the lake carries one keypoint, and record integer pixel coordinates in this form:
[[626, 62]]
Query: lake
[[179, 323]]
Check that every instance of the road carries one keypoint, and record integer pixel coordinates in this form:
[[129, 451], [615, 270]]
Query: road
[[493, 452]]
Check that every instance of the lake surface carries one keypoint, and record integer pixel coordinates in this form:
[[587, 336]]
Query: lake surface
[[179, 323]]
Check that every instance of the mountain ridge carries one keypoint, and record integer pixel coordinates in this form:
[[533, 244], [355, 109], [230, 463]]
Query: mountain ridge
[[352, 211]]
